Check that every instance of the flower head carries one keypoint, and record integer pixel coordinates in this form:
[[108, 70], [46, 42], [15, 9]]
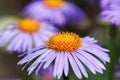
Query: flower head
[[22, 35], [53, 3], [28, 25], [59, 42], [57, 12], [64, 48]]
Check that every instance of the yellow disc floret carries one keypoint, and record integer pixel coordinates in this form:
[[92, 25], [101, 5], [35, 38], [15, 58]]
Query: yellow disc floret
[[28, 25], [53, 3], [64, 41]]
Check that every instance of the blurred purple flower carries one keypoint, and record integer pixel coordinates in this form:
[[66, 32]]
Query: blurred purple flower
[[58, 13], [117, 73], [104, 3], [65, 47], [108, 3], [112, 14], [22, 35], [46, 72]]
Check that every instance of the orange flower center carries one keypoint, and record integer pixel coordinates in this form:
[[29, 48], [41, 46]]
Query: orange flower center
[[28, 25], [53, 3], [64, 41]]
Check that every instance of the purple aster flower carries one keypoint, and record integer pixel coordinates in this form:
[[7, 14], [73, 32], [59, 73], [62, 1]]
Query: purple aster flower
[[46, 73], [104, 3], [112, 15], [117, 73], [64, 48], [22, 35], [57, 12], [108, 3]]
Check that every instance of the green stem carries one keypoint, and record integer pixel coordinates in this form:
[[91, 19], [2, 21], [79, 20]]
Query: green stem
[[32, 77], [65, 78], [28, 77], [113, 53]]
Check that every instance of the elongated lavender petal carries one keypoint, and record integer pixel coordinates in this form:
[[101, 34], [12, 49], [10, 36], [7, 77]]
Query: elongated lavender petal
[[66, 65], [74, 66]]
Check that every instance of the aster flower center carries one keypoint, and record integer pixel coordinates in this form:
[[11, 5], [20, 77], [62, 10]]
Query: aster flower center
[[53, 3], [64, 41], [28, 25]]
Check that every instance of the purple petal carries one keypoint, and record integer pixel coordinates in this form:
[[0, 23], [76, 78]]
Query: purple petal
[[81, 67], [56, 65], [42, 56], [15, 44], [93, 61], [60, 65], [32, 67], [38, 69], [5, 38], [37, 62], [49, 56], [37, 40], [35, 49], [100, 54], [49, 61], [74, 66], [31, 56], [86, 62], [29, 42], [66, 65]]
